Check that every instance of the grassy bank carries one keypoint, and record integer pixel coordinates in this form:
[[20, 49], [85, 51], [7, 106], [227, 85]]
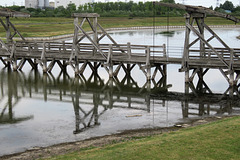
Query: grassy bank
[[43, 27], [216, 140]]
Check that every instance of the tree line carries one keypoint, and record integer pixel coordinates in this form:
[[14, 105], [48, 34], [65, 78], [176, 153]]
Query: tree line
[[119, 9]]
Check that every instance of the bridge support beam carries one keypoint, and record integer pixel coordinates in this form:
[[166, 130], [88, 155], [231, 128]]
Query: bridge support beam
[[8, 26], [206, 50]]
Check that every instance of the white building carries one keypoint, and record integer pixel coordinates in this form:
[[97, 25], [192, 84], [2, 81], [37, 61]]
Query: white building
[[52, 4], [36, 3], [64, 3]]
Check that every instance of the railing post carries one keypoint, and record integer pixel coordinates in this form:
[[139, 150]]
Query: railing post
[[29, 48], [49, 46], [64, 46], [43, 58], [13, 56], [129, 50], [164, 51], [35, 46]]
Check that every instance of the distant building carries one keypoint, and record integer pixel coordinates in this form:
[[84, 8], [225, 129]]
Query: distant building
[[36, 4], [64, 3], [52, 4]]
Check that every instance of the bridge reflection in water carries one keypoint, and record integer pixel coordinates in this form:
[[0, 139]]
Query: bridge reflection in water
[[99, 96]]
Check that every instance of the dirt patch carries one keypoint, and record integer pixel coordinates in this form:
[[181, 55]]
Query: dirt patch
[[126, 135]]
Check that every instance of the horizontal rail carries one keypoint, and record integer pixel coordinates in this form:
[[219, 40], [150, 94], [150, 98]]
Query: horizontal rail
[[125, 53]]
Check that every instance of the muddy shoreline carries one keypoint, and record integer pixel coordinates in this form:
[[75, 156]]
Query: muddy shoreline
[[63, 148]]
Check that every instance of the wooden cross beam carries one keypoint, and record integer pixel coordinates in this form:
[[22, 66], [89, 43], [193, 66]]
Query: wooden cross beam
[[198, 9], [95, 39], [5, 12]]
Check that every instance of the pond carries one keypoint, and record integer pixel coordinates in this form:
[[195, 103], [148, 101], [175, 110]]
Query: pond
[[40, 110]]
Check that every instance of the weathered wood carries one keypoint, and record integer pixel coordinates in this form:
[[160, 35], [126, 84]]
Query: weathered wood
[[8, 31], [5, 47], [83, 67], [3, 61], [198, 9], [34, 65], [43, 61], [62, 65], [16, 31], [185, 59], [129, 50], [195, 71], [76, 61], [90, 39], [109, 61], [117, 69], [85, 15], [105, 33], [21, 64], [5, 12], [206, 43], [3, 24], [51, 65], [95, 33], [216, 36]]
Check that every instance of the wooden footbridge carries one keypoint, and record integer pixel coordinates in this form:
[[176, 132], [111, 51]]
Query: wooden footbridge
[[115, 56]]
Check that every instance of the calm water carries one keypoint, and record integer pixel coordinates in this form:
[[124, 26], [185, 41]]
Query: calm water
[[41, 110]]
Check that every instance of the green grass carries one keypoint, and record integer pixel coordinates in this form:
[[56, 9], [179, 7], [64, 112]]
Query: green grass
[[37, 27], [217, 140]]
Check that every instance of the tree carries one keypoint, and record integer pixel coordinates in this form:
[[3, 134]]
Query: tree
[[71, 7], [168, 1], [227, 5]]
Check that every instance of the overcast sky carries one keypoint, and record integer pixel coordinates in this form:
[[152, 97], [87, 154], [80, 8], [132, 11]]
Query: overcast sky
[[206, 3]]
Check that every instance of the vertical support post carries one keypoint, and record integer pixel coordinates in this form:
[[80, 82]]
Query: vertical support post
[[45, 87], [231, 76], [109, 61], [186, 49], [95, 33], [185, 103], [75, 101], [201, 30], [148, 63], [96, 99], [75, 39], [43, 58], [10, 95], [13, 57], [129, 50], [110, 93], [76, 70], [200, 81], [165, 75], [35, 46], [95, 68], [231, 80], [164, 51], [49, 46], [8, 31], [64, 66], [231, 83], [128, 70]]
